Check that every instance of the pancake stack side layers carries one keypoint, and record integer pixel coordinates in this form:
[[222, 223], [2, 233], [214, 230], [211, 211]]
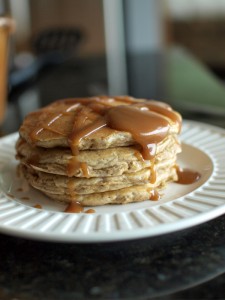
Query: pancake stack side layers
[[100, 150]]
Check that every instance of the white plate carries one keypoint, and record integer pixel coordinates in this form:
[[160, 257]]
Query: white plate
[[182, 206]]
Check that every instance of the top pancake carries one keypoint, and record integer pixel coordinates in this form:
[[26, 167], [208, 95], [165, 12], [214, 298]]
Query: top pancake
[[53, 126]]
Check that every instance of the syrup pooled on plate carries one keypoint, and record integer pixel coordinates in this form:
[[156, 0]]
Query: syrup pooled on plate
[[187, 176], [74, 207], [77, 207]]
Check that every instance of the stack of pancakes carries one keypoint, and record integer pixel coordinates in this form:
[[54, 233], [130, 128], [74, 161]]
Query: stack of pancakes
[[100, 150]]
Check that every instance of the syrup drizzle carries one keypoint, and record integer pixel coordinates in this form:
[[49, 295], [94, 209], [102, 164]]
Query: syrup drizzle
[[74, 165], [37, 206], [154, 195], [77, 207], [74, 207]]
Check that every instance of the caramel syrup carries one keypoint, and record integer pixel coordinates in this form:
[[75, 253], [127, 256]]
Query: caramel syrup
[[154, 195], [187, 176], [74, 207], [37, 206], [77, 207], [74, 165], [70, 189], [90, 211], [153, 172]]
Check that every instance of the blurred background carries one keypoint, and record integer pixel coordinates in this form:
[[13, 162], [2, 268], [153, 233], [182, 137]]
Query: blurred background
[[171, 50]]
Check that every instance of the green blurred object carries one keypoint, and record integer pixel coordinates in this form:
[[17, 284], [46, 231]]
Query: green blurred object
[[192, 87]]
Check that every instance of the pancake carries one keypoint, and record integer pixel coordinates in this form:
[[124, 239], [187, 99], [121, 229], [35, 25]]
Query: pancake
[[98, 184], [52, 126], [97, 191], [105, 162], [100, 150], [123, 196]]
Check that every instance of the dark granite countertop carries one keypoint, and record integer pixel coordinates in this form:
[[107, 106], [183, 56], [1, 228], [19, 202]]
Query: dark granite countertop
[[188, 264], [184, 265]]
